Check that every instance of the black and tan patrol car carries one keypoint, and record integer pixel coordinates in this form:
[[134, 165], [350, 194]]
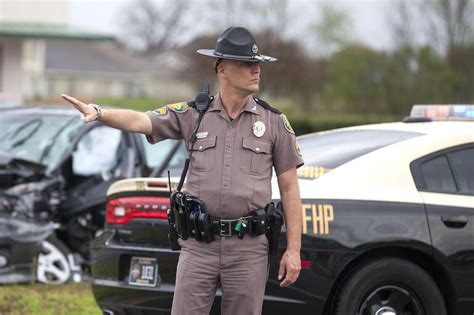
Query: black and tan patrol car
[[388, 226]]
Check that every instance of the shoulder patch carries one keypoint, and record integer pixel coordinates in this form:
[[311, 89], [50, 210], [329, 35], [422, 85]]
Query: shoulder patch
[[160, 111], [297, 148], [178, 107], [287, 125], [266, 106]]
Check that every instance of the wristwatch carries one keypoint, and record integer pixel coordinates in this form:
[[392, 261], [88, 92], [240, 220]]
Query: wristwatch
[[98, 110]]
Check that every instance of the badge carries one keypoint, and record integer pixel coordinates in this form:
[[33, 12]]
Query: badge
[[287, 125], [255, 48], [297, 147], [258, 129], [160, 111], [178, 107], [201, 135]]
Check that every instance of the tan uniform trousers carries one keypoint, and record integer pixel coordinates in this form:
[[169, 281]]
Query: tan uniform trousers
[[238, 266]]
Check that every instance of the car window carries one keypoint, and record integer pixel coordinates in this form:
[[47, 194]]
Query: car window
[[438, 176], [156, 153], [34, 137], [332, 149], [96, 151], [463, 165], [60, 143]]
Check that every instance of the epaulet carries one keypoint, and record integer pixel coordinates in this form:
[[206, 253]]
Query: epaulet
[[193, 103], [266, 106]]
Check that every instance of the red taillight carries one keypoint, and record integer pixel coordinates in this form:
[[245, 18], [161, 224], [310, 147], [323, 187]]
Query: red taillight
[[121, 210], [304, 263], [157, 185]]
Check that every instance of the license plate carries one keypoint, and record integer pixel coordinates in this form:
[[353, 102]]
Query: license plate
[[143, 271]]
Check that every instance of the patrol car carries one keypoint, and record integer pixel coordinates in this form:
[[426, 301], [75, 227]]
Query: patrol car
[[388, 226]]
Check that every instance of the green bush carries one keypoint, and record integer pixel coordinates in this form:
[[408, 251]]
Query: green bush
[[138, 103]]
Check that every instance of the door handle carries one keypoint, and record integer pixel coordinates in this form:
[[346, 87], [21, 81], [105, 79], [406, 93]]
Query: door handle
[[454, 221]]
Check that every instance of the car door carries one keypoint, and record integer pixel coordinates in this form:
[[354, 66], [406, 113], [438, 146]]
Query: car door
[[445, 181]]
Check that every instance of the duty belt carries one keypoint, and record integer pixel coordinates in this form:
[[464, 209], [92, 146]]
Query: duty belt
[[240, 226], [188, 218]]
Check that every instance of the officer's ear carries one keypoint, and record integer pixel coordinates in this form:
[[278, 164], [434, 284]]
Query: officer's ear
[[216, 64], [221, 68]]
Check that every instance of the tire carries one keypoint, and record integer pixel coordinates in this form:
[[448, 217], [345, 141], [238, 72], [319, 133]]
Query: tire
[[390, 286], [54, 262]]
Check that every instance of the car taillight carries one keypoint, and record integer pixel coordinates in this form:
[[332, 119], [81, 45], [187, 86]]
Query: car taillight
[[305, 264], [121, 210]]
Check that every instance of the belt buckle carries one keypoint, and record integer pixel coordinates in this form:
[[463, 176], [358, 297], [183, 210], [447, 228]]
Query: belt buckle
[[225, 227]]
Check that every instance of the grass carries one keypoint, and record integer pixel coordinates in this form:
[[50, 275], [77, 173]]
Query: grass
[[48, 299]]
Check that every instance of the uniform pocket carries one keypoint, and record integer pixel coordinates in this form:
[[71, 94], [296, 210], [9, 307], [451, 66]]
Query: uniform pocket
[[256, 156], [204, 154]]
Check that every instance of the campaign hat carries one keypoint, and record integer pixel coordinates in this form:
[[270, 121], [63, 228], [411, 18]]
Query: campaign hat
[[236, 43]]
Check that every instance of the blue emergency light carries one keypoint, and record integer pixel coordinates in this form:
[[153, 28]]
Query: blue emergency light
[[443, 112]]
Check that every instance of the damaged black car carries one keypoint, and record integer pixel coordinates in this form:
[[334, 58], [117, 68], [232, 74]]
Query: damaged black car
[[54, 169]]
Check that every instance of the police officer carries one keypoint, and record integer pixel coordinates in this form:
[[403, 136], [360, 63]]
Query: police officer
[[239, 142]]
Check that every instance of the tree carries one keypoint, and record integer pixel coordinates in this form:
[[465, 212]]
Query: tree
[[418, 76], [258, 16], [450, 22], [354, 82], [447, 27], [444, 24], [155, 26], [332, 29]]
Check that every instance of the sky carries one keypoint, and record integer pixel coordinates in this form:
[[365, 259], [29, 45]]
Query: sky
[[369, 17]]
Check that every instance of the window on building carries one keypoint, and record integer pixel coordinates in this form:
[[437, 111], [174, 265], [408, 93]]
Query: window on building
[[1, 68]]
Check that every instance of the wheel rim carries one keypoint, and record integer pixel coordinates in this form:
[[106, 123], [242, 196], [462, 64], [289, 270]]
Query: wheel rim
[[391, 300], [53, 267]]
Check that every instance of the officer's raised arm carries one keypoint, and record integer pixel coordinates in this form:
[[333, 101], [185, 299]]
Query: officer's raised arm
[[123, 119]]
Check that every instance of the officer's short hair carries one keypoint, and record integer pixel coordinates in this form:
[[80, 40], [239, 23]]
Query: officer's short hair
[[217, 63]]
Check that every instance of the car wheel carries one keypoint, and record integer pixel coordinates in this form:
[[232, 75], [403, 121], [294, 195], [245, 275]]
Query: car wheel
[[53, 265], [390, 286]]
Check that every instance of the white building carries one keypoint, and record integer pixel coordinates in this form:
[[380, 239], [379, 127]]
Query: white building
[[42, 57]]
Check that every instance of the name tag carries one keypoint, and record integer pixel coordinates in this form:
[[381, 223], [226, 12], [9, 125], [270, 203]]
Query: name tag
[[201, 135]]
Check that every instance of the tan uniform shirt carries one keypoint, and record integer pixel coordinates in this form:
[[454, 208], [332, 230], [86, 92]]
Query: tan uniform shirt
[[231, 166]]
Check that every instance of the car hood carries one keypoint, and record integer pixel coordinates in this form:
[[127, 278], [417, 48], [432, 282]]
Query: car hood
[[13, 169]]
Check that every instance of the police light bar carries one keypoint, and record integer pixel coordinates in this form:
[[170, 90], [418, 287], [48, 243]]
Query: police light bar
[[443, 112]]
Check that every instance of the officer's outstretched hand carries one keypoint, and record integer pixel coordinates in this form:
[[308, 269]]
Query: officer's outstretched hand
[[290, 266], [89, 113]]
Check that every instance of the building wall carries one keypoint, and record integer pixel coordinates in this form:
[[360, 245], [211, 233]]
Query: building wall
[[11, 71], [33, 65], [34, 11], [89, 86]]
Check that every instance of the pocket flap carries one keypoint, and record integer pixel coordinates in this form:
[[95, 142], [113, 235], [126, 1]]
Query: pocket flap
[[203, 144], [257, 146]]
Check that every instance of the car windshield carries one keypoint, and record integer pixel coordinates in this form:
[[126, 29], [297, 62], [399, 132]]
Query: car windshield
[[325, 151], [158, 152], [38, 138]]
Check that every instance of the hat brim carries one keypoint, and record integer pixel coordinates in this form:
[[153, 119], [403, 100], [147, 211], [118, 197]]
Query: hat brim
[[256, 58]]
